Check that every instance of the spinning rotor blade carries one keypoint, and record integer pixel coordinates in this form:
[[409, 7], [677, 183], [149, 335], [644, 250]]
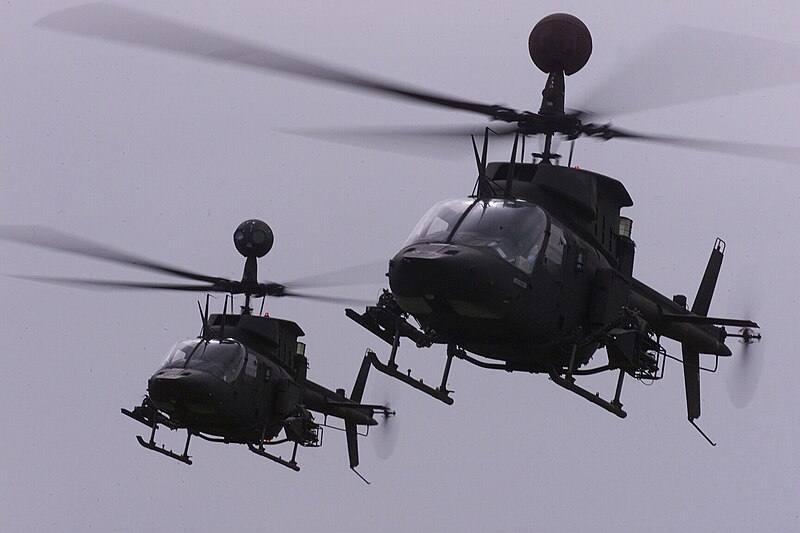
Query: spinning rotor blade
[[688, 64], [116, 23], [328, 299], [442, 142], [415, 140], [784, 154], [135, 285], [111, 284], [745, 370], [742, 380], [52, 239], [366, 274], [386, 434], [650, 81]]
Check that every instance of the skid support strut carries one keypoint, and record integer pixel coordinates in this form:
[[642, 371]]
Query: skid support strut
[[151, 417], [441, 392], [568, 382], [291, 463], [259, 450], [151, 445]]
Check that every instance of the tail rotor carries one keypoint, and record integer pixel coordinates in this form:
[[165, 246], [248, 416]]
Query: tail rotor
[[387, 432], [744, 373]]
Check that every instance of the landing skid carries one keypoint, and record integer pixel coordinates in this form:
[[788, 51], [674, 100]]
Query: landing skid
[[291, 463], [614, 406], [151, 445], [149, 416], [440, 393]]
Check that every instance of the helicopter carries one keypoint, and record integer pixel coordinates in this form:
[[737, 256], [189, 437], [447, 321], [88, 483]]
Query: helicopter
[[531, 272], [243, 380]]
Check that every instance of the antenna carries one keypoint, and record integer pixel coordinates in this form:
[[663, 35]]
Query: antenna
[[224, 318], [476, 190], [484, 152], [480, 160], [512, 166], [571, 149], [204, 317], [203, 329]]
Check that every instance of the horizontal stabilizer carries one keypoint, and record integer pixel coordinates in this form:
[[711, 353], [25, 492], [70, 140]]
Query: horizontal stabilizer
[[709, 320]]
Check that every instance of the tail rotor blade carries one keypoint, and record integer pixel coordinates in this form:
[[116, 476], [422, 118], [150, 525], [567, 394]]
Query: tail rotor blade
[[387, 433], [742, 381], [744, 372]]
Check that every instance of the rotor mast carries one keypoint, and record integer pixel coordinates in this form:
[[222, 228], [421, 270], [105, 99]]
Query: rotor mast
[[253, 239], [552, 105], [559, 45]]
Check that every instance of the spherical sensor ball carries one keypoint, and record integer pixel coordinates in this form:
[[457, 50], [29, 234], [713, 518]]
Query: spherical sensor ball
[[253, 238], [560, 42]]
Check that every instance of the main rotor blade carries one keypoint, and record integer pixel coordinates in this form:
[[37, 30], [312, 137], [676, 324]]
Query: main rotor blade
[[51, 239], [365, 274], [690, 64], [116, 23], [112, 284], [439, 142], [784, 154], [135, 285], [329, 299]]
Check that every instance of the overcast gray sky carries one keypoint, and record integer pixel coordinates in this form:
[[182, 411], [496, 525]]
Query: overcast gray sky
[[164, 156]]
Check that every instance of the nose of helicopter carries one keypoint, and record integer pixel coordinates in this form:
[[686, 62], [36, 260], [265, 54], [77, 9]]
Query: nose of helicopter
[[448, 278], [176, 390]]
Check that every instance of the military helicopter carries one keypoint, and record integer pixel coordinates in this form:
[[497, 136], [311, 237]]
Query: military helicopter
[[243, 379], [533, 271]]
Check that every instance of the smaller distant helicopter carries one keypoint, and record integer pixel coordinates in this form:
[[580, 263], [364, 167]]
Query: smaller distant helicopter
[[243, 380]]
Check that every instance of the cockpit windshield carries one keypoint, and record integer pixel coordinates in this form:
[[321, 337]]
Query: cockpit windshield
[[439, 221], [221, 358], [512, 229]]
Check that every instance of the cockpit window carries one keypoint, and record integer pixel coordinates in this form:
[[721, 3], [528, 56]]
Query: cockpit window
[[438, 222], [221, 358], [514, 230]]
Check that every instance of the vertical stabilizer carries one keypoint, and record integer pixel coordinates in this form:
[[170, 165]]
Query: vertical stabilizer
[[691, 356], [361, 381], [350, 428], [702, 302]]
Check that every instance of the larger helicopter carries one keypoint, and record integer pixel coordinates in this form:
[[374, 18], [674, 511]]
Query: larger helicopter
[[243, 380], [533, 271]]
